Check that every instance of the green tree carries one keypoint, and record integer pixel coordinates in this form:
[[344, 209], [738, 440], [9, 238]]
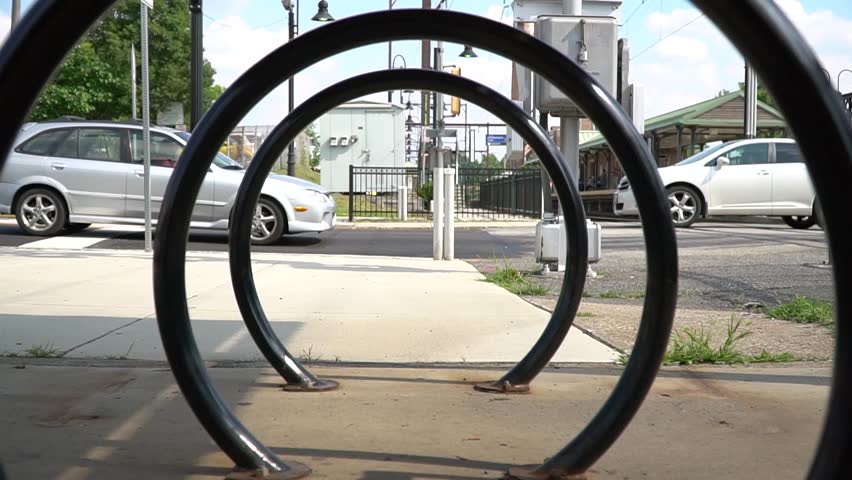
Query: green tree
[[762, 94], [315, 145], [110, 41], [489, 160], [85, 84]]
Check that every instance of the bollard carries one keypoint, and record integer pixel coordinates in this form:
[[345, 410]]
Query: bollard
[[402, 203]]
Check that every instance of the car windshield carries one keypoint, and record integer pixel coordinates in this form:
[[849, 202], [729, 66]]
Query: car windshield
[[220, 160], [703, 154]]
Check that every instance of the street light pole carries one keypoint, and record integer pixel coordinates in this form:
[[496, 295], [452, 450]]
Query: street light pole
[[16, 13], [197, 63], [291, 91]]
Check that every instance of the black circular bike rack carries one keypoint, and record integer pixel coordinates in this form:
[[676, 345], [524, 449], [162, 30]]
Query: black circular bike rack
[[296, 376], [789, 69]]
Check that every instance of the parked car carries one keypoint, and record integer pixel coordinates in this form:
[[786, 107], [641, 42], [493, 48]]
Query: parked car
[[765, 177], [68, 174]]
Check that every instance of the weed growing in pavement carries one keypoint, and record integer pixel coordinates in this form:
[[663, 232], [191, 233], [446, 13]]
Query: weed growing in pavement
[[805, 310], [585, 314], [690, 347], [614, 294], [308, 356], [515, 281], [42, 351]]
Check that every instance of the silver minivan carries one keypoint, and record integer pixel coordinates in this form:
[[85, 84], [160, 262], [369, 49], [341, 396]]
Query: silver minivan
[[65, 175]]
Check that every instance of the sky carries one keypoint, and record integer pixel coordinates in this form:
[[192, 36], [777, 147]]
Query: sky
[[677, 55]]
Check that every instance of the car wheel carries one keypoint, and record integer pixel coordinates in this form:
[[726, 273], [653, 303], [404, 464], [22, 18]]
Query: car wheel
[[77, 227], [267, 225], [685, 205], [41, 212], [800, 222]]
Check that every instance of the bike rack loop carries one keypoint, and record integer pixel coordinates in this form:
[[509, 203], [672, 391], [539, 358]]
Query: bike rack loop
[[795, 79], [257, 81], [790, 69], [250, 189]]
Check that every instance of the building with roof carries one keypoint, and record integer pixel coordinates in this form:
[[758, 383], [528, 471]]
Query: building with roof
[[672, 137]]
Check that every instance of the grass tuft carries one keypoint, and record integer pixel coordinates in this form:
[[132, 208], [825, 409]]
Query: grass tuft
[[515, 281], [805, 310], [42, 351]]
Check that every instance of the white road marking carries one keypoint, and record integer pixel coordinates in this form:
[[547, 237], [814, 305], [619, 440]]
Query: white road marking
[[84, 239]]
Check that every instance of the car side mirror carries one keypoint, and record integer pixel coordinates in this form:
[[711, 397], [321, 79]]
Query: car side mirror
[[722, 161]]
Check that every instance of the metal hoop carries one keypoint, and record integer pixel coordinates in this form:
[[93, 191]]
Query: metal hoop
[[242, 277]]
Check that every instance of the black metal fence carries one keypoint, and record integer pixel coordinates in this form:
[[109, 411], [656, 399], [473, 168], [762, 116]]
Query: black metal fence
[[481, 193]]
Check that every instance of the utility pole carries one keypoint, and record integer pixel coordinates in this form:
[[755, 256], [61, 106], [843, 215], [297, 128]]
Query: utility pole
[[390, 51], [197, 63], [569, 127], [291, 93], [425, 53], [146, 123], [16, 13], [750, 107], [133, 80]]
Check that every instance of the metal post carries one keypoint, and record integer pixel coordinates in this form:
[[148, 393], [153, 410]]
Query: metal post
[[449, 214], [390, 51], [425, 63], [133, 80], [197, 63], [679, 152], [438, 226], [750, 109], [146, 127], [291, 99], [692, 141], [351, 193], [16, 13]]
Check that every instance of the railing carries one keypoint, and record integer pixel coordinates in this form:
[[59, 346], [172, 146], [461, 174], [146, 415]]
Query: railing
[[484, 194]]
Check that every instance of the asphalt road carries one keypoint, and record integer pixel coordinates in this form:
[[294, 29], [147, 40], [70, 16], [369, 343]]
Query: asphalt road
[[505, 242]]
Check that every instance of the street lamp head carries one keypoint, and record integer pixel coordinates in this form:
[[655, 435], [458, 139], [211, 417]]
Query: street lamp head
[[322, 13], [468, 52], [288, 5]]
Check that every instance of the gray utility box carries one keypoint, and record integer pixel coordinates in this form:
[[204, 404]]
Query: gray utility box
[[591, 42]]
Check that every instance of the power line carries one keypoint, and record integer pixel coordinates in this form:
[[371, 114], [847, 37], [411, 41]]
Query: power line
[[667, 36], [633, 13]]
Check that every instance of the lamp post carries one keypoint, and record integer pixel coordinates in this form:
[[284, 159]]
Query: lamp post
[[391, 3], [196, 64], [838, 77], [322, 15], [392, 65]]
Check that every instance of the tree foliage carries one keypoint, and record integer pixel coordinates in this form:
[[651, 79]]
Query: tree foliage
[[95, 80]]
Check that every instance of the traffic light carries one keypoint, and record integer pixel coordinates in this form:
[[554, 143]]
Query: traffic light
[[455, 102]]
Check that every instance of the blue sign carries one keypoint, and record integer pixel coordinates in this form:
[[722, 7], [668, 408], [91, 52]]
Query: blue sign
[[495, 139]]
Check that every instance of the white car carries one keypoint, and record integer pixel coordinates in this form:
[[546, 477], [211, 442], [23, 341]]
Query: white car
[[765, 177], [65, 175]]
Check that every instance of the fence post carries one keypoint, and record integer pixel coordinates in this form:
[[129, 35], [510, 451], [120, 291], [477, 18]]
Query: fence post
[[351, 193]]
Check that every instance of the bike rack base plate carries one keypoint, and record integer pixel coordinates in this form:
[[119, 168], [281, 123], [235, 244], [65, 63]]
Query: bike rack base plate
[[321, 386], [532, 473], [295, 470], [501, 387]]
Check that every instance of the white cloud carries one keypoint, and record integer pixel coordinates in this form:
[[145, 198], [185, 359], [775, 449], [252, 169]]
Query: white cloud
[[5, 23]]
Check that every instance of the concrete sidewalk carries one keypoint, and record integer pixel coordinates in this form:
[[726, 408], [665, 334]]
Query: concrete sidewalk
[[72, 423], [99, 304]]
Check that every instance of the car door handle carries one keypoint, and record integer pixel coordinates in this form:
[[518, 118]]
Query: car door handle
[[57, 166], [763, 172], [140, 173]]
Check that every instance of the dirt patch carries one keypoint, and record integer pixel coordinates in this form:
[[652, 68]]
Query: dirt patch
[[617, 322]]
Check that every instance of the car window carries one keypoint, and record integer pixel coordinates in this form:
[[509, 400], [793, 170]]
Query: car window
[[787, 153], [44, 143], [68, 147], [753, 154], [165, 150], [99, 144]]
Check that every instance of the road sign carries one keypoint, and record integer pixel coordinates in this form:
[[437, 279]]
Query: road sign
[[436, 132], [495, 139], [149, 3]]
